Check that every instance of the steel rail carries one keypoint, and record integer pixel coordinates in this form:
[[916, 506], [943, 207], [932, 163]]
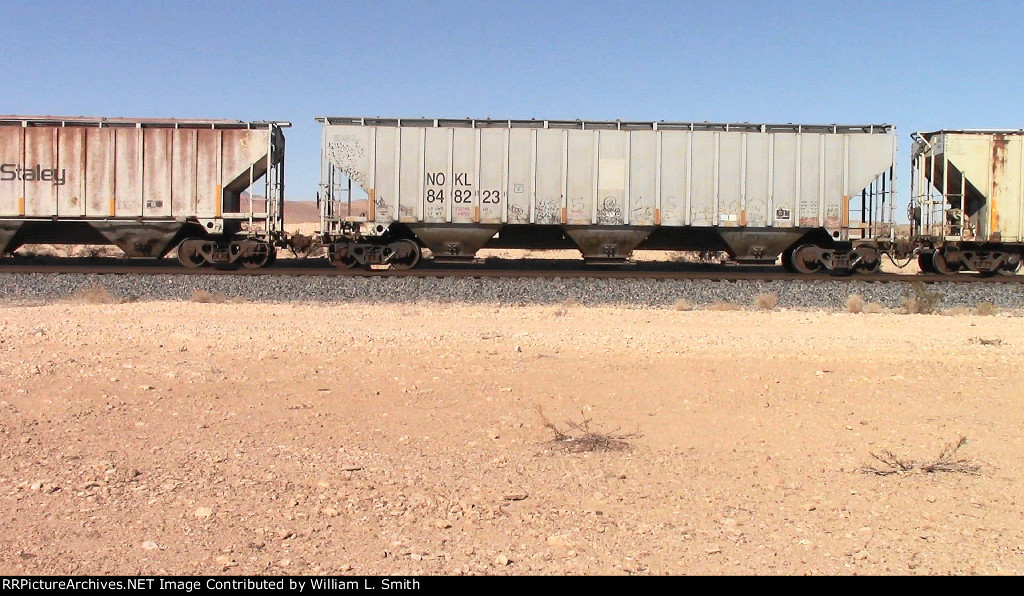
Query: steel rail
[[521, 268]]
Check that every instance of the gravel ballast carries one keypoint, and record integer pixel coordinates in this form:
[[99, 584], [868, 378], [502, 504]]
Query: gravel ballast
[[22, 287]]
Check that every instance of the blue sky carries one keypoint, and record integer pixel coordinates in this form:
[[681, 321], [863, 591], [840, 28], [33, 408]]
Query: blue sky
[[921, 65]]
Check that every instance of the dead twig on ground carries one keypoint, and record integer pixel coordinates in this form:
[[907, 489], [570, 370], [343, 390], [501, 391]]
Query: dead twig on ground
[[580, 437], [945, 462]]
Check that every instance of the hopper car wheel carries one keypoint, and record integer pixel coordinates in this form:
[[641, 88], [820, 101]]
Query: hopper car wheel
[[787, 261], [924, 261], [801, 264], [344, 262], [941, 265], [260, 260], [873, 267], [189, 254], [410, 261], [1009, 269]]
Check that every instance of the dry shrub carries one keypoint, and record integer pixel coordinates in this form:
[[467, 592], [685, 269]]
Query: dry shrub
[[922, 301], [565, 307], [986, 341], [682, 304], [723, 306], [204, 297], [956, 311], [945, 462], [766, 301], [95, 294], [986, 309], [698, 257], [855, 304], [873, 308], [579, 437]]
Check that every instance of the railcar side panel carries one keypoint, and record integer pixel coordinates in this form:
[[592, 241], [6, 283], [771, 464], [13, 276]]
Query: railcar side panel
[[464, 176], [549, 175], [643, 177], [40, 156], [410, 182], [12, 189], [521, 185], [675, 177], [493, 163], [580, 179]]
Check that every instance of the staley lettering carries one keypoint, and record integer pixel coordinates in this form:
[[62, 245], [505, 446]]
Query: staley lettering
[[11, 171]]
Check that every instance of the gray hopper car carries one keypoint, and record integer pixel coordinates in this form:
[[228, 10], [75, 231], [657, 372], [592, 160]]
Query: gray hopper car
[[819, 196], [145, 185]]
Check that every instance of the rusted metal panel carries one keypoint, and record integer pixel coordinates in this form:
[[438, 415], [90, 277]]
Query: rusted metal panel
[[127, 172], [40, 172], [71, 162], [99, 172], [12, 188], [183, 172], [971, 184], [208, 185], [156, 172]]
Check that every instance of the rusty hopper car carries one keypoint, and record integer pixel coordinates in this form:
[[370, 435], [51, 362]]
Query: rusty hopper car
[[145, 185], [967, 203], [816, 195]]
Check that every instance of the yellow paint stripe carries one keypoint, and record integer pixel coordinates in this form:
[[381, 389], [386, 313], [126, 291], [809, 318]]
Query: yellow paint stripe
[[743, 217], [113, 206], [563, 214], [476, 215], [371, 207], [21, 205], [220, 200], [657, 217], [845, 214]]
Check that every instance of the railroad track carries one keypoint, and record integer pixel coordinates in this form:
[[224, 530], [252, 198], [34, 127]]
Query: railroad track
[[521, 268]]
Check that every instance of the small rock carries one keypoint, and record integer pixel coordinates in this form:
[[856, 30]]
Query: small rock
[[150, 545], [203, 512], [516, 496], [501, 561]]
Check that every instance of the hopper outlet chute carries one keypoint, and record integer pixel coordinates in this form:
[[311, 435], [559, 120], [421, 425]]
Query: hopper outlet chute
[[454, 241], [607, 242], [8, 230]]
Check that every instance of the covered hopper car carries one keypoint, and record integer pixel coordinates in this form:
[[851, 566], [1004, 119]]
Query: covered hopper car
[[145, 185], [819, 196], [967, 201]]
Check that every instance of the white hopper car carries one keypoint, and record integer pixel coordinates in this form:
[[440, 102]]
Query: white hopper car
[[819, 196]]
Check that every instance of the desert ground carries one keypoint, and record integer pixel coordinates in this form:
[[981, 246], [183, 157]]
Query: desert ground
[[451, 439]]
